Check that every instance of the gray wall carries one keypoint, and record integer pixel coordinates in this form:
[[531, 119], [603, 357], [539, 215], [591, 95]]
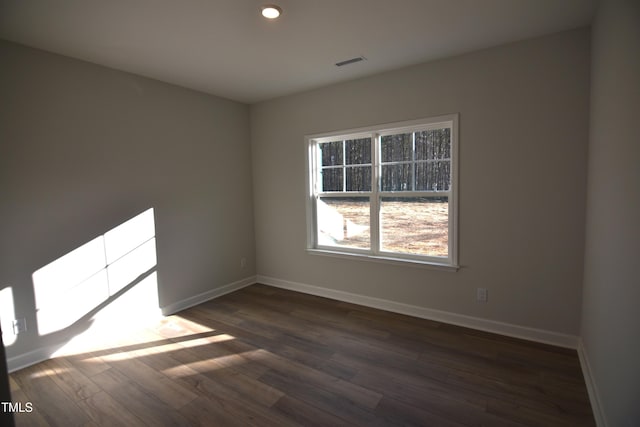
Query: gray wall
[[524, 111], [611, 317], [84, 148]]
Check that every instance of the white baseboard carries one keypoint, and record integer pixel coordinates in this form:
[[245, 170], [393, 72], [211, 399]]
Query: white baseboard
[[532, 334], [24, 360], [206, 296], [594, 396], [516, 331]]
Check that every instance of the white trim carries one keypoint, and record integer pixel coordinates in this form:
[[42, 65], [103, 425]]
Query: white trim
[[502, 328], [592, 389], [24, 360], [206, 296], [313, 167], [384, 258], [454, 188], [385, 128], [539, 335]]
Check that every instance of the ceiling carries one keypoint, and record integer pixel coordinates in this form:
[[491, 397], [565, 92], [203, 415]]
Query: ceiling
[[225, 47]]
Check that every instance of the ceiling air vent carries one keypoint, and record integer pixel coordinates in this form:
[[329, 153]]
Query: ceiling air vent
[[350, 61]]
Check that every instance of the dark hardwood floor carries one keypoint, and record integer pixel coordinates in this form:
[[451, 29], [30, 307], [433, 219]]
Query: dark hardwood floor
[[268, 357]]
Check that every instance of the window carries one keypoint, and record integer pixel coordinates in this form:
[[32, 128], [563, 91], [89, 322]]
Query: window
[[385, 192]]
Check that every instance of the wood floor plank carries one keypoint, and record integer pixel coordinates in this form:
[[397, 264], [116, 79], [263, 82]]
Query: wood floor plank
[[148, 408], [307, 415], [323, 399], [49, 401], [455, 360], [203, 412], [434, 397], [106, 411], [404, 414], [286, 347], [326, 365], [265, 356], [13, 385], [26, 419], [304, 375], [396, 367], [88, 363], [226, 377], [248, 387], [221, 357], [222, 400], [155, 383], [532, 417], [72, 382], [225, 412]]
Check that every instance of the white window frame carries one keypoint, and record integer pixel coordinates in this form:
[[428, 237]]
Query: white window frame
[[375, 253]]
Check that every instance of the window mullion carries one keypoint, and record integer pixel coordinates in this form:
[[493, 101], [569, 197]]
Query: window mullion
[[374, 201], [318, 172], [344, 168], [413, 161]]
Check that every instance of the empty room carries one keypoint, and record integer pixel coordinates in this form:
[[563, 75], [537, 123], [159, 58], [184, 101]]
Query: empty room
[[228, 212]]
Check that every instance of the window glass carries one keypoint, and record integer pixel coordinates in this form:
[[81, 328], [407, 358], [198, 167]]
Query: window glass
[[413, 225], [344, 222], [396, 148], [396, 177], [433, 176], [358, 178], [331, 153], [433, 144], [332, 179], [358, 151]]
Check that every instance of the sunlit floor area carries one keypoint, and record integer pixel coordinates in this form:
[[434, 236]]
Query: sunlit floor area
[[269, 357], [119, 321]]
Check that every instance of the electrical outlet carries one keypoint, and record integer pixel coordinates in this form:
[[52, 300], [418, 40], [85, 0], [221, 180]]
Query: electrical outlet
[[19, 326], [243, 262], [482, 295]]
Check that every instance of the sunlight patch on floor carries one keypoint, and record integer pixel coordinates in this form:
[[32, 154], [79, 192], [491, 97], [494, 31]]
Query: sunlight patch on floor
[[48, 373], [124, 317], [208, 365]]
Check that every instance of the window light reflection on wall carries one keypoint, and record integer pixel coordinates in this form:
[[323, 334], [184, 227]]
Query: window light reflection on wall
[[78, 282], [7, 314]]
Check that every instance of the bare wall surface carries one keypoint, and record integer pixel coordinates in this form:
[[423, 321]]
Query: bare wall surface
[[611, 319], [84, 148], [523, 151]]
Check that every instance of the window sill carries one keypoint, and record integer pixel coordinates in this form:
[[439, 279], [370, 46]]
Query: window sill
[[386, 260]]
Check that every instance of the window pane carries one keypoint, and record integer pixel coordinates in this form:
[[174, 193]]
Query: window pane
[[332, 179], [344, 222], [331, 153], [358, 151], [396, 148], [415, 225], [396, 177], [433, 176], [433, 144], [359, 178]]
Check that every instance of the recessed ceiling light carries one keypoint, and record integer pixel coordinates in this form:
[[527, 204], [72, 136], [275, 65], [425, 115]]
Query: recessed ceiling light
[[271, 11]]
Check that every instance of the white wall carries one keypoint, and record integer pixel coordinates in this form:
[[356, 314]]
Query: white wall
[[611, 317], [523, 153], [84, 148]]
